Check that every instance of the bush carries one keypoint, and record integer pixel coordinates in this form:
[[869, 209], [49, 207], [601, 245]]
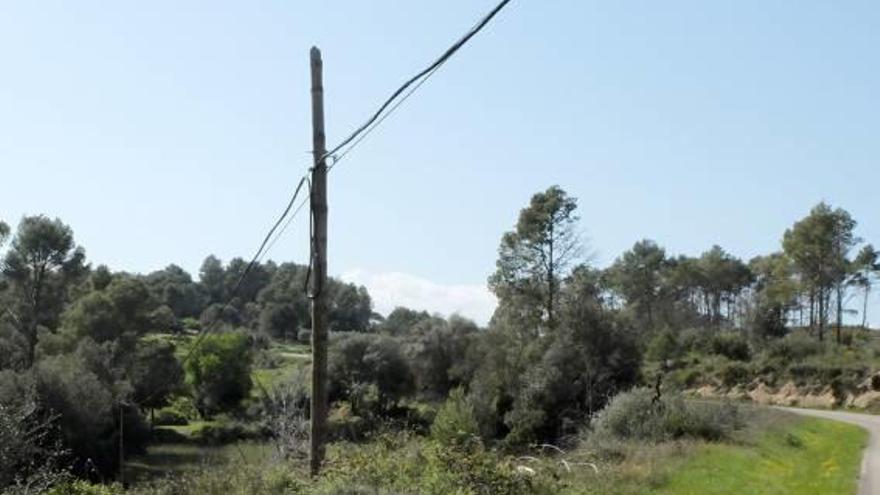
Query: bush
[[402, 464], [225, 433], [184, 407], [635, 415], [436, 349], [683, 378], [169, 417], [794, 348], [155, 374], [87, 413], [280, 320], [663, 346], [284, 412], [345, 425], [370, 370], [219, 372], [544, 390], [29, 460], [841, 387], [191, 324], [804, 373], [695, 339], [731, 345], [455, 423], [735, 374]]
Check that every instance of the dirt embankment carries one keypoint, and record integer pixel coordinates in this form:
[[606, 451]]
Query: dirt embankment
[[864, 397]]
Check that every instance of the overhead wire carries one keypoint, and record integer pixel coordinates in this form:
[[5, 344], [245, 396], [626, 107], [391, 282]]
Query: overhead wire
[[237, 286], [388, 107], [378, 122], [446, 55], [234, 292], [286, 224]]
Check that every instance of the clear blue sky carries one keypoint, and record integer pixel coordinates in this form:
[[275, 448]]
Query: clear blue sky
[[164, 131]]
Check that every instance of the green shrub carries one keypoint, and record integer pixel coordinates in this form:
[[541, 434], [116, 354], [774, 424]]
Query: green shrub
[[345, 425], [544, 391], [403, 464], [694, 340], [804, 373], [87, 413], [735, 374], [635, 415], [683, 378], [732, 345], [227, 432], [846, 376], [664, 346], [437, 350], [455, 423], [191, 324], [794, 348], [155, 374], [219, 371], [183, 406], [169, 417], [370, 370]]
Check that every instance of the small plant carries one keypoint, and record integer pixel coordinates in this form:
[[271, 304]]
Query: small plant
[[793, 440], [455, 424]]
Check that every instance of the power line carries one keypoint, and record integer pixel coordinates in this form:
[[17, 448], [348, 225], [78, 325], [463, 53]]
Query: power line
[[234, 292], [390, 104], [287, 224], [424, 72], [337, 159]]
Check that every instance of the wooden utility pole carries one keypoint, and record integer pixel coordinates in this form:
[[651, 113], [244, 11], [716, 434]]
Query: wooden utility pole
[[121, 474], [319, 270]]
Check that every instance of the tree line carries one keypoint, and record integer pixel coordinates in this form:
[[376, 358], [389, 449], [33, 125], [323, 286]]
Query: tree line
[[78, 346]]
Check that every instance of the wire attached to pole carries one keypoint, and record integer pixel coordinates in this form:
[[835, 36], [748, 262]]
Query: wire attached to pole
[[424, 72]]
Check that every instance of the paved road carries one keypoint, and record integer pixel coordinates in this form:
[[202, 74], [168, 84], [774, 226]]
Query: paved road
[[869, 481]]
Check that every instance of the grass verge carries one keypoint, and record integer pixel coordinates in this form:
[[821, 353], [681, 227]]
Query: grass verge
[[809, 456]]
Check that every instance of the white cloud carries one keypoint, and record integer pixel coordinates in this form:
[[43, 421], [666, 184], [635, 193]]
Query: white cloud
[[392, 289]]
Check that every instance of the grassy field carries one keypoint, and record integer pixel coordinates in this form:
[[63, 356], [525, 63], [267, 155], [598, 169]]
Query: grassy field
[[287, 358], [811, 456], [181, 458]]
